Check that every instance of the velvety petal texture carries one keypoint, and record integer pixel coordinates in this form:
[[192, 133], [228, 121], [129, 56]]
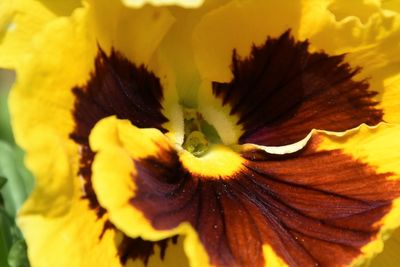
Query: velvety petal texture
[[269, 200], [77, 49], [290, 102], [281, 92], [367, 46]]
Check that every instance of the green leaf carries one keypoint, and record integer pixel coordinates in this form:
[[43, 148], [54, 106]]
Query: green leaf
[[2, 181], [3, 249], [19, 184], [19, 180], [17, 256], [7, 78], [12, 246], [6, 236], [25, 174]]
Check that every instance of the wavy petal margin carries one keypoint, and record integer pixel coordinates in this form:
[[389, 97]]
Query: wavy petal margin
[[20, 21], [151, 193], [56, 218], [42, 101], [372, 46], [282, 91], [117, 195], [55, 98]]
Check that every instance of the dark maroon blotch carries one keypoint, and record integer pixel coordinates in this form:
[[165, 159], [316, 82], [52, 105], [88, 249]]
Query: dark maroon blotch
[[282, 91], [138, 248], [116, 87]]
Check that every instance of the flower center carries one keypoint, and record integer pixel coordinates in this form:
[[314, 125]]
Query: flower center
[[204, 153], [198, 133]]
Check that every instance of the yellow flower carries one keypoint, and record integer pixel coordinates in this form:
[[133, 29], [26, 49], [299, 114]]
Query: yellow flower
[[223, 133]]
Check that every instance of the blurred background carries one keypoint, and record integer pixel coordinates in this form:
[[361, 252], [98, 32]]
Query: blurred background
[[15, 183]]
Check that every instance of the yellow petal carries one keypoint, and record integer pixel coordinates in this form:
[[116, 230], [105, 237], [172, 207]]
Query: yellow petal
[[331, 26], [19, 22], [369, 36], [60, 227], [182, 3], [272, 260], [78, 238], [391, 5], [74, 240], [66, 240], [342, 9], [54, 217], [75, 47], [54, 188], [135, 33], [43, 98], [219, 116], [238, 25], [390, 254], [178, 50], [52, 99], [390, 99], [373, 145], [43, 91], [64, 8], [114, 185], [171, 105], [378, 148], [144, 175]]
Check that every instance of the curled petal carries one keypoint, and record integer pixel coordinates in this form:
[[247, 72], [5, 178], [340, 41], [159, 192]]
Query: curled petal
[[369, 37], [52, 81], [114, 185], [369, 49], [44, 82], [323, 205], [331, 202]]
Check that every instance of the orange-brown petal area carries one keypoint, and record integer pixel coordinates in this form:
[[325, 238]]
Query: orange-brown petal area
[[117, 87], [282, 91], [314, 208]]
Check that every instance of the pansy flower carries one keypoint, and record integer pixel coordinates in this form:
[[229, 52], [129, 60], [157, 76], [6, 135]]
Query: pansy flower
[[215, 133]]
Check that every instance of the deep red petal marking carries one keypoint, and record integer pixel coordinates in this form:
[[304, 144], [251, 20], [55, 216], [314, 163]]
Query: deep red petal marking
[[282, 91], [315, 208]]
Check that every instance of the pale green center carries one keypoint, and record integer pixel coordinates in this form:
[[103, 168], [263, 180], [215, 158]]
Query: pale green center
[[198, 133]]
